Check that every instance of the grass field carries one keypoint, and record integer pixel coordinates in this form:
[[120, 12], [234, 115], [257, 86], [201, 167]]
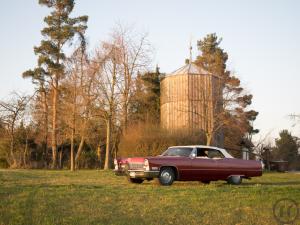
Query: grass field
[[98, 197]]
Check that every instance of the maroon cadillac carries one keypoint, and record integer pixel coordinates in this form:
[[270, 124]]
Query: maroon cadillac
[[189, 163]]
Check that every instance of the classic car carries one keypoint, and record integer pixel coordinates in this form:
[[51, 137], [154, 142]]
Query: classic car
[[189, 163]]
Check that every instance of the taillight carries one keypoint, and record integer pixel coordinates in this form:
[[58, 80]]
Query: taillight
[[262, 165]]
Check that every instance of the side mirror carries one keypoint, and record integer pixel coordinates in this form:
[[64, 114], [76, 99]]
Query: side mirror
[[193, 155]]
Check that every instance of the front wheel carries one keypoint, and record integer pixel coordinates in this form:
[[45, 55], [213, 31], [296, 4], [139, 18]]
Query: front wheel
[[234, 180], [135, 180], [205, 181], [166, 176]]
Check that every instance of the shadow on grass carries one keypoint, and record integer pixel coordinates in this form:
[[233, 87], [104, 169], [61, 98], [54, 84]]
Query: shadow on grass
[[62, 187], [289, 183], [129, 186]]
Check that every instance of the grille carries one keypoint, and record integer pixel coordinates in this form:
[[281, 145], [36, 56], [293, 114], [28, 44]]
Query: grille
[[136, 166]]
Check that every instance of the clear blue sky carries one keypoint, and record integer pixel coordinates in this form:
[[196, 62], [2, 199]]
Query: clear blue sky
[[262, 39]]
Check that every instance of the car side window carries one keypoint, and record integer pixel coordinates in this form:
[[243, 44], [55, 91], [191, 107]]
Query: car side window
[[202, 153], [178, 152], [215, 154]]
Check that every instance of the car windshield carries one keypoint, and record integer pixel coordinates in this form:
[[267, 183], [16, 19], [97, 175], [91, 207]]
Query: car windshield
[[178, 152]]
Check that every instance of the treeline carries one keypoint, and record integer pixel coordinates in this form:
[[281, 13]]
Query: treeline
[[93, 105], [286, 148]]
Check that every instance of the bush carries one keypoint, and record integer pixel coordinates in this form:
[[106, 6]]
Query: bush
[[150, 140], [3, 163]]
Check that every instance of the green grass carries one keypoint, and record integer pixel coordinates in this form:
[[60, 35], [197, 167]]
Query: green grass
[[99, 197]]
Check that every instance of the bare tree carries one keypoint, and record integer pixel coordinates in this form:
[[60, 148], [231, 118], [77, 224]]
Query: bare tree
[[79, 100], [117, 63], [264, 141], [295, 118], [107, 66], [12, 112], [134, 57], [87, 100], [38, 77]]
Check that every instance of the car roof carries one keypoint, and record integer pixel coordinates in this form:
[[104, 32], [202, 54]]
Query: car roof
[[224, 152], [195, 146]]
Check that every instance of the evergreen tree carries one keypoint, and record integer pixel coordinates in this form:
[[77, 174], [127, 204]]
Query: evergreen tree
[[137, 107], [145, 106], [286, 147], [213, 58], [152, 89], [60, 30], [230, 107]]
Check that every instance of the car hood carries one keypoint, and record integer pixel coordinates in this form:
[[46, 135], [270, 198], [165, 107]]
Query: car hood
[[130, 160], [142, 159]]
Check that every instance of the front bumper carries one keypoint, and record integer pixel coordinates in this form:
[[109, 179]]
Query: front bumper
[[137, 173], [142, 174]]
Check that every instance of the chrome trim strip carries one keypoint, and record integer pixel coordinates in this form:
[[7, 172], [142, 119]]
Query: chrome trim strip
[[135, 170]]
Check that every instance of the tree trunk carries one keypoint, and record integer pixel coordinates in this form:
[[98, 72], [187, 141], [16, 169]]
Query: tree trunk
[[73, 122], [25, 153], [208, 139], [54, 124], [108, 140], [73, 132], [72, 150], [99, 155], [60, 157], [45, 109], [12, 149], [125, 117], [79, 150]]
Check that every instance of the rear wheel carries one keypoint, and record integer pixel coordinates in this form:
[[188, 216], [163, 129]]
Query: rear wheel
[[234, 180], [135, 180], [205, 181], [166, 176]]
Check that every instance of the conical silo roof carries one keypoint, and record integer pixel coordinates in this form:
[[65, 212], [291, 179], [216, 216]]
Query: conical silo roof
[[190, 68]]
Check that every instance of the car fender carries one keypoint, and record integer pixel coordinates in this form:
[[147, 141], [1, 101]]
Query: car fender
[[171, 165]]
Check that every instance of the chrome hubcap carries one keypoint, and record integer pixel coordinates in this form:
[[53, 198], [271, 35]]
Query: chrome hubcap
[[166, 176]]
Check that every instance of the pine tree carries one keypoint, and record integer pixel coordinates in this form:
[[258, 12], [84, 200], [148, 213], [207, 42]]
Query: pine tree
[[212, 58], [137, 107], [286, 147], [152, 88], [230, 106], [145, 105], [60, 30]]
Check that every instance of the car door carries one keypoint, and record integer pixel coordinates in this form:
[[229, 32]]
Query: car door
[[182, 162], [223, 166], [204, 167], [184, 167]]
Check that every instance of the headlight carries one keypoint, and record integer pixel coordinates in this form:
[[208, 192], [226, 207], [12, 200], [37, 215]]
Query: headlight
[[146, 165], [116, 164]]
